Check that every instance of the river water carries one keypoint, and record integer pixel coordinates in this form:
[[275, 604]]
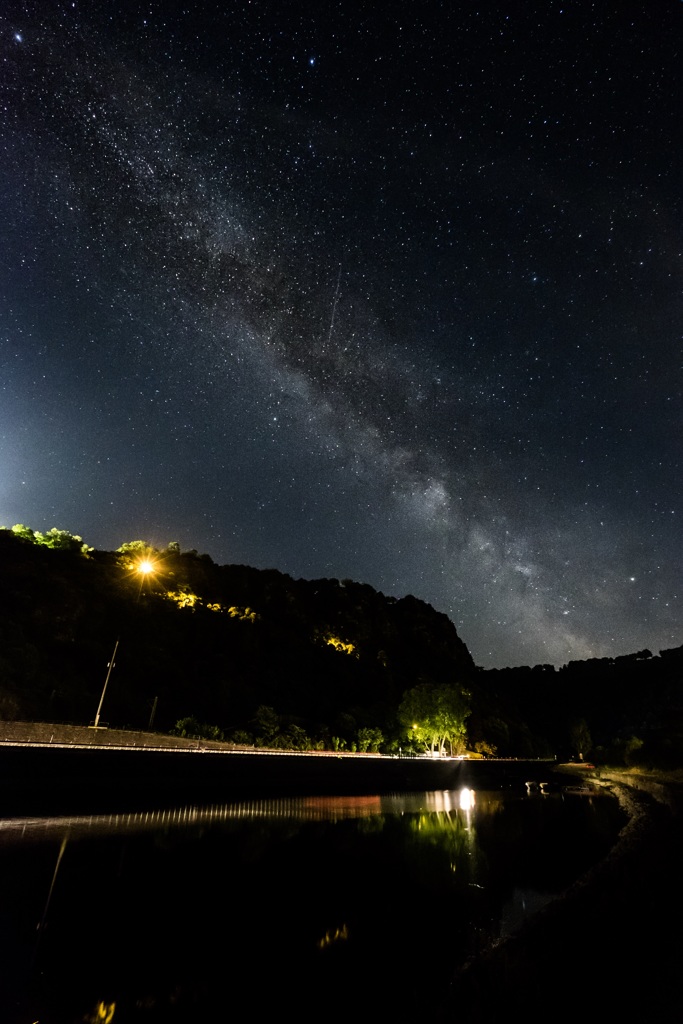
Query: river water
[[339, 908]]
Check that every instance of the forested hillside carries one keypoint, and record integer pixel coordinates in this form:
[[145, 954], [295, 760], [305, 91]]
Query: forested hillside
[[250, 653], [258, 657]]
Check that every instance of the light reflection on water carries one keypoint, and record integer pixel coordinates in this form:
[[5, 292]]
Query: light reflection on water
[[301, 809], [157, 912]]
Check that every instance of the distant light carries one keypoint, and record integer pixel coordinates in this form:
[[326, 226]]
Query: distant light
[[145, 567], [466, 799], [18, 37]]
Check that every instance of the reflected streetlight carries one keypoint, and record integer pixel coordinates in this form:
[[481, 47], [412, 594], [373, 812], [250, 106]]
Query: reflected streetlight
[[466, 799]]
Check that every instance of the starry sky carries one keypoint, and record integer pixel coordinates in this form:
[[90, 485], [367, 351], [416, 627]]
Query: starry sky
[[381, 291]]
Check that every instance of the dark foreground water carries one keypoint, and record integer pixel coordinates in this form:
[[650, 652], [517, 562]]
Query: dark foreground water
[[340, 908]]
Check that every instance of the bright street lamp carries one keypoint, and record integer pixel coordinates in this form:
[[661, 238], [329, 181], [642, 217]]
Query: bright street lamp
[[145, 567]]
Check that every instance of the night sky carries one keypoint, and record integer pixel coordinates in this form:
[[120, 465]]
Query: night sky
[[381, 291]]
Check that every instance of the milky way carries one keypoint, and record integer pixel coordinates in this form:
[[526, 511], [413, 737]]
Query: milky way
[[389, 294]]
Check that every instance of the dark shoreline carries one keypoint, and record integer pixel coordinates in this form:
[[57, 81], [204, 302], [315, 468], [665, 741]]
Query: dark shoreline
[[610, 946]]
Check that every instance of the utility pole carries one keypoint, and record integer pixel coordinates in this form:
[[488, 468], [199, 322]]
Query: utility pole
[[96, 723]]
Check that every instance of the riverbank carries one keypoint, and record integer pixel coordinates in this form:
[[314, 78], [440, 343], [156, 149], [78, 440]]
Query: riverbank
[[611, 945]]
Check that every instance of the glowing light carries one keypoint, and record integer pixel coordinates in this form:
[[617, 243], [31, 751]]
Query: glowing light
[[466, 799], [246, 614], [146, 566], [104, 1013], [333, 935], [339, 645], [183, 598]]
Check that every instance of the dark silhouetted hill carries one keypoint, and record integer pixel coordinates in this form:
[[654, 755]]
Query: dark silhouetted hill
[[256, 656]]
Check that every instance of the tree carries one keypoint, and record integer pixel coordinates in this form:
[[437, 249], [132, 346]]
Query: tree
[[369, 740], [266, 723], [137, 556], [580, 738], [188, 728], [294, 737], [25, 532], [61, 540], [436, 716], [134, 547], [485, 748], [191, 729], [137, 549]]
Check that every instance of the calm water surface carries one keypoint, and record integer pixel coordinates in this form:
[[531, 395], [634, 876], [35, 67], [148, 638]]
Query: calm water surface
[[331, 908]]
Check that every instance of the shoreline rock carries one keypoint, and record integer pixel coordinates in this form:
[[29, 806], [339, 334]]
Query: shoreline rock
[[609, 944]]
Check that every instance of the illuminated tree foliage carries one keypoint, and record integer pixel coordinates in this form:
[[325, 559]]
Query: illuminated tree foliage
[[435, 716], [340, 645], [136, 547], [369, 740], [60, 540]]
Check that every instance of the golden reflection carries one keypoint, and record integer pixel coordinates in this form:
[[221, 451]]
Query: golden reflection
[[428, 813], [102, 1014], [333, 935]]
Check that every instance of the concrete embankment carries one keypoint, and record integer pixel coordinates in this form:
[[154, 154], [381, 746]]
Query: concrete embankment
[[47, 769], [82, 735]]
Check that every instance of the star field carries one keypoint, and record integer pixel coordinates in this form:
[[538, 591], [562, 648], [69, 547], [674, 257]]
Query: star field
[[389, 292]]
